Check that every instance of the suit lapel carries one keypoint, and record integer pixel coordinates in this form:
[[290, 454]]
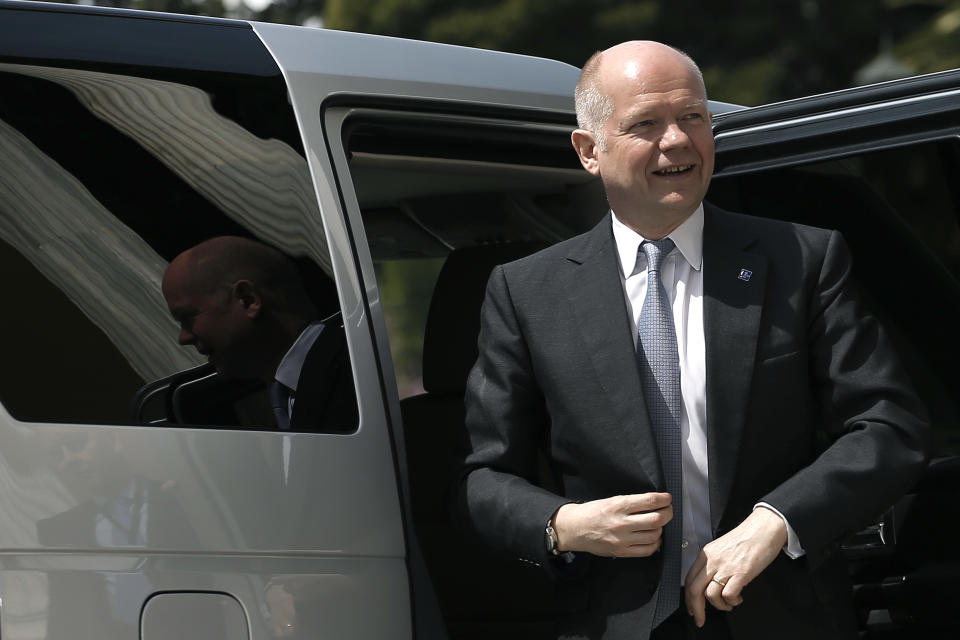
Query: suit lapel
[[598, 302], [317, 380], [733, 284]]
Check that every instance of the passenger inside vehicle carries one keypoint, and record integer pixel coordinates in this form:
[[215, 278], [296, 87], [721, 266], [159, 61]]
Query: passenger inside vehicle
[[243, 305]]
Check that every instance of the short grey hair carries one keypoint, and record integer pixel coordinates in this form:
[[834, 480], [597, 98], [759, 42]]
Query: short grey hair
[[593, 106]]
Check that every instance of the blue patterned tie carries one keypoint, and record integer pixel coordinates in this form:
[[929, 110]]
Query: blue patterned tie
[[660, 380]]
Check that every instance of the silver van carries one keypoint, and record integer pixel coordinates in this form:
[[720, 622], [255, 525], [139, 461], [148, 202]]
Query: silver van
[[144, 494]]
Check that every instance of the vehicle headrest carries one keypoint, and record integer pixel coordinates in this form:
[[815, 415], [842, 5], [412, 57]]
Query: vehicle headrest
[[453, 322]]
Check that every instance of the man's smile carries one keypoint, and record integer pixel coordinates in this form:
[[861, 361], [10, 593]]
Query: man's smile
[[674, 170]]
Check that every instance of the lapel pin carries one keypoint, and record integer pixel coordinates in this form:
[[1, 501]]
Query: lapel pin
[[745, 274]]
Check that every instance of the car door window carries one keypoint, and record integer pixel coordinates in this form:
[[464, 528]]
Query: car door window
[[107, 177]]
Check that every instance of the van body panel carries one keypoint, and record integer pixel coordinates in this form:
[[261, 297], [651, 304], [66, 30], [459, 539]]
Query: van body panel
[[98, 595], [98, 518], [356, 63]]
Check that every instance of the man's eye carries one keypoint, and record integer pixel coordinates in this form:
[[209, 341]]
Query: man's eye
[[186, 320], [641, 124], [693, 116]]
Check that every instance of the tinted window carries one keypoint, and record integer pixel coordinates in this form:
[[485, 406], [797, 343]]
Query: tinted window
[[107, 177]]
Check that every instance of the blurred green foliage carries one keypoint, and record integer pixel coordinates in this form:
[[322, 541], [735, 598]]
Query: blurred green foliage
[[936, 45], [751, 51]]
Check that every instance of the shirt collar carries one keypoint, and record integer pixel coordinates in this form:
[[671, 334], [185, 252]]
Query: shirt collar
[[688, 238], [288, 373]]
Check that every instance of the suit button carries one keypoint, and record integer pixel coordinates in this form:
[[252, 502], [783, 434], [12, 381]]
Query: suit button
[[684, 544]]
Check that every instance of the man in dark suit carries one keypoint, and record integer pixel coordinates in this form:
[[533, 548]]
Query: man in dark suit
[[243, 305], [683, 414]]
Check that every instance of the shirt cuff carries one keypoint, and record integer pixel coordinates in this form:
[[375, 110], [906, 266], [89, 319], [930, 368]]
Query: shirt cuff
[[792, 548]]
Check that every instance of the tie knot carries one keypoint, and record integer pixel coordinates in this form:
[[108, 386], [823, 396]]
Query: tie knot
[[655, 250]]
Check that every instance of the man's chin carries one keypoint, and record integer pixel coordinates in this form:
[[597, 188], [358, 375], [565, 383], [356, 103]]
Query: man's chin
[[681, 200], [679, 206]]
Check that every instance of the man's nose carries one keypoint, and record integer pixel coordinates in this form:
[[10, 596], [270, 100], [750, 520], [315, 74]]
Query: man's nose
[[673, 136]]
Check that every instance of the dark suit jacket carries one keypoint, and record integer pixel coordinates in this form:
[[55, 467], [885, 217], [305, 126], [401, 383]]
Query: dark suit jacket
[[326, 399], [806, 410]]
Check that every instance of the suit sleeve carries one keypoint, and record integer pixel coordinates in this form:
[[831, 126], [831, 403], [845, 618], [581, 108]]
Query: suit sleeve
[[876, 424], [506, 422]]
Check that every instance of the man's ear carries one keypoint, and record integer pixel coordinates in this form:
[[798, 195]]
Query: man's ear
[[587, 149], [246, 293]]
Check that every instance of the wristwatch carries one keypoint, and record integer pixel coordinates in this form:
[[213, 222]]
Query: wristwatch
[[550, 536]]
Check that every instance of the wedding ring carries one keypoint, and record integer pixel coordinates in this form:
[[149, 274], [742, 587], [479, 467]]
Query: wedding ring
[[719, 582]]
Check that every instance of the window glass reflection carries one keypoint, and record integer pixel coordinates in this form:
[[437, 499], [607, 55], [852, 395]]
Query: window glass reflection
[[106, 178]]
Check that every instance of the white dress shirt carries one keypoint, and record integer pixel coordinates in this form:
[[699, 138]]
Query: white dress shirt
[[682, 275]]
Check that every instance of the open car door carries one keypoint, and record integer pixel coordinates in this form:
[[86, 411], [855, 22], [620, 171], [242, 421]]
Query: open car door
[[880, 164]]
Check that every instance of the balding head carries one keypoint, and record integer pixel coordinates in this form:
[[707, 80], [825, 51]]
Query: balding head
[[592, 96], [239, 302], [215, 264], [646, 132]]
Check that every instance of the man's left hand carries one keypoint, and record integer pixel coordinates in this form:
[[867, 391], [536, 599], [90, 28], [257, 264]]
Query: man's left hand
[[733, 559]]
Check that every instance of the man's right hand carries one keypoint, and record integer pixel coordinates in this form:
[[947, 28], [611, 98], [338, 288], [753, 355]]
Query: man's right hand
[[622, 526]]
